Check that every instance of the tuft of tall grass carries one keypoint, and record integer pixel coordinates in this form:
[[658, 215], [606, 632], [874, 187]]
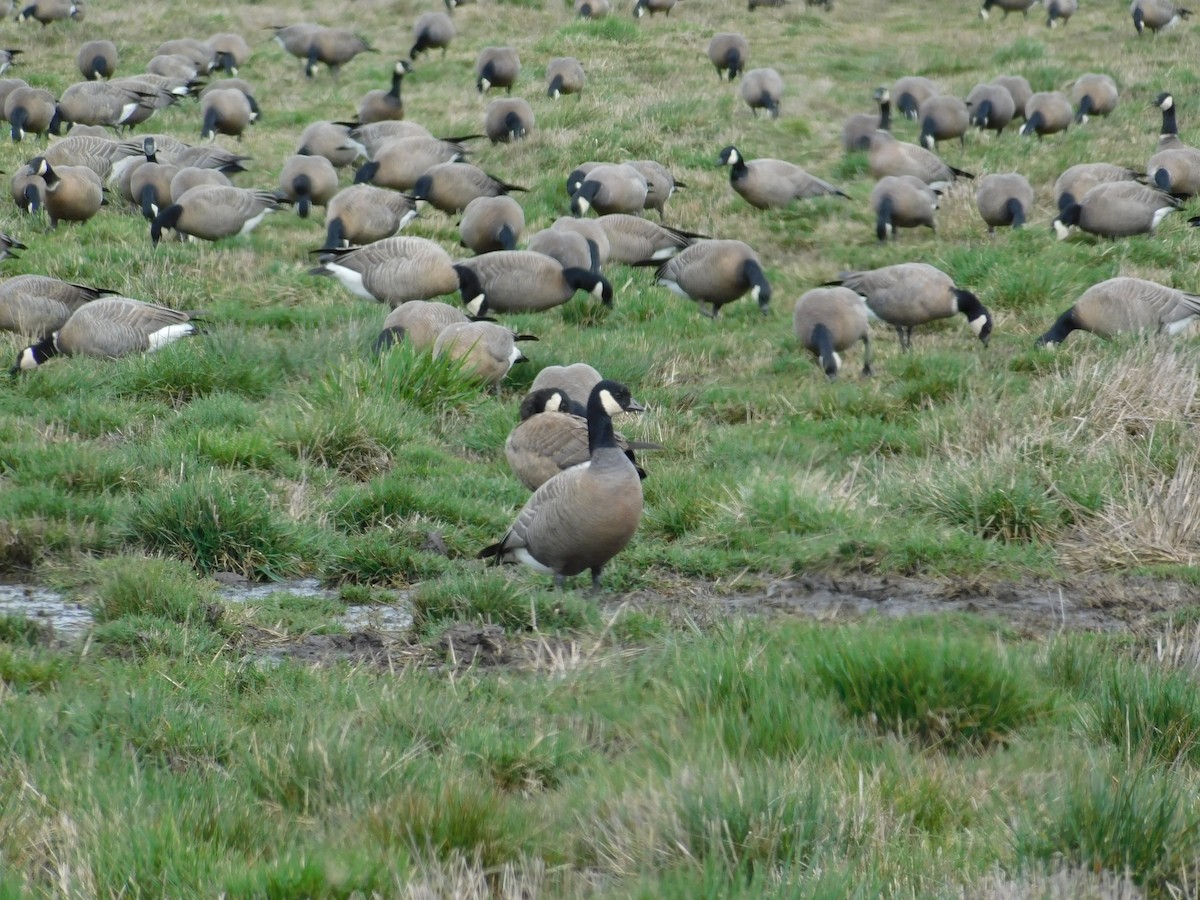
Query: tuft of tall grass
[[493, 598], [140, 586], [1151, 713]]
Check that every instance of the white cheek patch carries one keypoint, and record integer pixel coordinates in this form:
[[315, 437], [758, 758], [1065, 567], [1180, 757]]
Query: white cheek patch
[[598, 291], [473, 306], [977, 324], [1083, 120], [28, 360], [1061, 230], [983, 14], [554, 404], [837, 362], [611, 406], [584, 206]]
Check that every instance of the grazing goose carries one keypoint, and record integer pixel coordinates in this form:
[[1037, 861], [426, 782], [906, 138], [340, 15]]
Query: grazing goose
[[401, 162], [1116, 209], [1155, 14], [100, 154], [992, 107], [29, 110], [491, 223], [1047, 112], [98, 59], [576, 380], [225, 111], [333, 47], [585, 515], [7, 58], [496, 67], [376, 135], [716, 272], [308, 181], [174, 66], [889, 156], [660, 184], [652, 6], [910, 92], [762, 89], [772, 183], [73, 193], [828, 319], [47, 11], [102, 103], [331, 140], [208, 156], [570, 248], [1004, 200], [393, 270], [451, 186], [295, 39], [1060, 11], [212, 212], [189, 177], [524, 281], [363, 214], [432, 30], [37, 305], [912, 294], [592, 230], [1018, 88], [592, 9], [150, 186], [384, 106], [610, 189], [902, 201], [943, 118], [8, 85], [564, 75], [1126, 304], [28, 190], [633, 240], [1093, 95], [1076, 181], [508, 120], [230, 51], [858, 129], [1021, 6], [486, 350], [419, 322], [196, 50], [728, 52], [109, 328], [1176, 171]]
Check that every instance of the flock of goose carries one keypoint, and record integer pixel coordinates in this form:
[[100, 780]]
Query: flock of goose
[[587, 496]]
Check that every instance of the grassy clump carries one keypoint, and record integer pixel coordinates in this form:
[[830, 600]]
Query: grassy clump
[[137, 586], [493, 598], [1149, 712]]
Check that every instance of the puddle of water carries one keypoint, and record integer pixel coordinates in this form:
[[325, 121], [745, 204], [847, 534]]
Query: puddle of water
[[250, 590], [70, 620]]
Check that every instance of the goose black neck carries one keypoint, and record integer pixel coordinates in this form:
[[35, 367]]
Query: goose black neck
[[738, 170], [555, 86], [17, 120], [335, 233], [983, 112], [1169, 125], [1015, 211], [397, 77], [885, 115], [883, 219], [1058, 332], [822, 341], [600, 426]]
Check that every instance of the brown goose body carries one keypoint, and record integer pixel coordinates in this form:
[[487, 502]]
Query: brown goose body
[[225, 111], [29, 110], [308, 181], [570, 248], [331, 140], [103, 103], [1047, 112], [385, 106], [716, 272], [910, 91], [1018, 88], [507, 120], [491, 223], [363, 214], [295, 39], [230, 51], [902, 201], [728, 51], [611, 189], [1126, 304], [28, 190], [591, 230], [660, 184], [762, 89], [592, 9], [189, 177], [1060, 11], [1076, 181], [212, 212], [1094, 95], [1156, 14], [1021, 6], [632, 239], [99, 154], [1117, 209], [888, 156], [193, 48], [992, 107], [496, 67], [150, 186], [943, 118], [38, 305], [394, 270], [98, 59], [73, 193], [432, 31], [174, 66], [451, 186], [524, 281], [487, 350], [1004, 199], [375, 135], [564, 75], [401, 162], [827, 320], [333, 47], [419, 322], [772, 183], [47, 11]]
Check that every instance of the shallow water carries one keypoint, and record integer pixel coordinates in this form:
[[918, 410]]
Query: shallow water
[[68, 618]]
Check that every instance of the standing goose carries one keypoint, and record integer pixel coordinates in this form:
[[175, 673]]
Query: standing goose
[[295, 39], [828, 319], [902, 201], [992, 107], [508, 120], [363, 214], [1047, 112], [401, 162], [1155, 14], [98, 59], [1076, 181], [1116, 209], [889, 156], [37, 305], [652, 7], [212, 212], [419, 322], [576, 379], [394, 271], [762, 89], [611, 189], [384, 106], [716, 272], [1004, 200], [1018, 88], [333, 47], [660, 184], [772, 183], [230, 51], [492, 223], [224, 111], [308, 181], [1168, 138], [73, 193], [728, 52], [584, 516], [1175, 167], [943, 118], [1060, 11], [487, 350], [911, 91], [29, 110], [564, 75], [100, 154], [432, 30], [592, 230], [109, 328], [1021, 6], [524, 281], [331, 140], [451, 186], [912, 294], [47, 11], [1126, 304], [496, 67], [1093, 95], [570, 248], [633, 240]]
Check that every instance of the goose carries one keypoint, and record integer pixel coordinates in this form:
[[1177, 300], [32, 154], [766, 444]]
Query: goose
[[196, 50], [911, 91], [29, 110], [575, 379], [508, 120], [1175, 167], [943, 118], [8, 246], [393, 270], [992, 107], [374, 136], [762, 89], [100, 154], [1004, 200], [570, 248], [858, 128], [1093, 95], [363, 214], [1021, 6], [230, 51], [828, 319], [592, 9], [401, 162], [37, 305], [208, 156], [888, 156], [333, 47], [524, 281], [585, 515], [102, 103], [124, 178], [109, 328], [451, 186], [150, 185], [1076, 181], [911, 294], [47, 11], [1155, 15], [1168, 138], [1047, 112], [384, 106], [98, 59], [7, 58], [633, 240], [772, 183], [331, 140], [419, 322], [728, 52], [1018, 88], [660, 184], [652, 7], [491, 223], [591, 230], [226, 112], [1060, 11], [716, 272], [432, 30], [212, 212], [611, 189], [73, 193], [564, 75], [552, 436], [8, 85], [189, 177], [28, 190], [235, 84], [295, 39], [1126, 304], [902, 201], [496, 67], [173, 65], [1116, 209], [308, 181], [487, 350]]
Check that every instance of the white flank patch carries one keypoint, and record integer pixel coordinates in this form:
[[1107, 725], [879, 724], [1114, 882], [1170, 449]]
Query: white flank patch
[[349, 279], [171, 333], [673, 286], [1159, 215], [358, 148], [120, 166], [251, 224], [522, 555], [404, 220], [664, 253], [1181, 325], [127, 110]]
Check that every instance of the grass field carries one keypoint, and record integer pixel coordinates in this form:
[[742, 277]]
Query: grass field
[[651, 744]]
